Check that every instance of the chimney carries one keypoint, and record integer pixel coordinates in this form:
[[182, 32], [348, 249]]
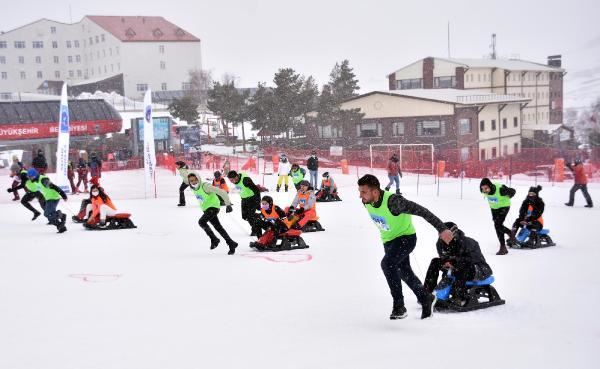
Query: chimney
[[554, 61]]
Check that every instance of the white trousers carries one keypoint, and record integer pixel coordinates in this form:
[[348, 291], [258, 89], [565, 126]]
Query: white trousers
[[105, 211]]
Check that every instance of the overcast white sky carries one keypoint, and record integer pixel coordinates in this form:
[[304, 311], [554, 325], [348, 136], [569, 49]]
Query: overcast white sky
[[253, 38]]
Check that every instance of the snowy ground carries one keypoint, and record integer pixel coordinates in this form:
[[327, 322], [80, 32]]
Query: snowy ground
[[157, 297]]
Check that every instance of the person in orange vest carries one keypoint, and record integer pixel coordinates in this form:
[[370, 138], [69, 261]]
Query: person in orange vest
[[274, 221], [101, 206], [219, 182], [305, 203], [580, 184], [530, 214]]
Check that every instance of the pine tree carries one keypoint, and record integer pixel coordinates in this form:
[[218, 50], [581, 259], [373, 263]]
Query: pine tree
[[286, 97], [185, 109]]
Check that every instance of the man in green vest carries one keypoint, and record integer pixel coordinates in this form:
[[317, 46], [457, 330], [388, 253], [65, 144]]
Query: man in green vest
[[208, 197], [392, 214], [498, 197], [250, 194], [52, 195], [31, 192], [297, 175]]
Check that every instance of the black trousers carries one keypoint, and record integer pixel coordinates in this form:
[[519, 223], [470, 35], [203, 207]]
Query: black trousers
[[583, 188], [249, 207], [211, 216], [181, 194], [29, 196], [396, 268], [498, 216], [462, 272]]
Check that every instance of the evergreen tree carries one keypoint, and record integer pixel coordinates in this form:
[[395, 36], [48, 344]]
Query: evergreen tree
[[185, 109], [261, 109], [286, 99], [343, 82], [228, 103]]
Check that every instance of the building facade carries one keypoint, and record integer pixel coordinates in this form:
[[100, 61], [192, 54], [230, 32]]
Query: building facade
[[541, 84], [476, 124], [132, 53]]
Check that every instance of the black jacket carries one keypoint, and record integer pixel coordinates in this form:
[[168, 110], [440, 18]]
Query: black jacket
[[24, 178], [538, 209], [312, 163], [250, 184], [464, 250], [39, 162]]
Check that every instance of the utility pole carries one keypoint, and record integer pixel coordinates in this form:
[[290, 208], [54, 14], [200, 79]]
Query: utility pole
[[493, 46]]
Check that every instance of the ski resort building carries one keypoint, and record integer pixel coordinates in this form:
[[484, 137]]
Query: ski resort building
[[125, 54], [541, 84], [480, 124]]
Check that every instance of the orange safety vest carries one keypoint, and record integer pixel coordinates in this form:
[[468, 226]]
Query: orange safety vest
[[270, 216], [220, 183], [326, 183], [530, 209], [97, 202]]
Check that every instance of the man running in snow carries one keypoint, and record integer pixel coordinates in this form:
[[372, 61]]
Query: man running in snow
[[183, 170], [392, 214], [31, 192], [250, 195], [498, 197], [208, 197], [52, 194]]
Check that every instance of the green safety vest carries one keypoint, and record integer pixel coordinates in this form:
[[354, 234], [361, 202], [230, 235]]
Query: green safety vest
[[29, 185], [297, 176], [245, 192], [391, 226], [49, 194], [206, 200], [496, 200]]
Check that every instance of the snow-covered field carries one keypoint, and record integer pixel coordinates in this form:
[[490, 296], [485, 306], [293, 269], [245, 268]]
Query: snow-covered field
[[157, 297]]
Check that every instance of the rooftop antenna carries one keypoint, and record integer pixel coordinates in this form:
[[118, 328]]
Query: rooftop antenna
[[448, 39], [493, 46]]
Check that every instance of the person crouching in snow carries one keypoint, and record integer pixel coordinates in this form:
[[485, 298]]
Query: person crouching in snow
[[530, 213], [463, 257], [100, 207], [208, 197]]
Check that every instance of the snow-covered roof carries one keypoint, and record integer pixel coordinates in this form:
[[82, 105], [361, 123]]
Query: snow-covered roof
[[507, 64], [142, 28], [550, 128], [455, 96]]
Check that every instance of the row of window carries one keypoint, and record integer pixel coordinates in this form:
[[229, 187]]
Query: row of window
[[494, 152], [407, 84], [40, 44], [143, 87], [482, 125], [71, 73], [514, 76], [538, 115]]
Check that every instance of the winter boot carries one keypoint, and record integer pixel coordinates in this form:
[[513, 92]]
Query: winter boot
[[214, 243], [398, 312], [503, 250], [232, 245], [568, 204], [62, 229], [512, 240], [398, 192], [36, 215], [427, 305], [277, 188], [181, 204], [589, 206], [387, 188], [286, 188]]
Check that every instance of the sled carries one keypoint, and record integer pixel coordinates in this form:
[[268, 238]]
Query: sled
[[532, 239], [118, 221], [289, 240], [480, 295]]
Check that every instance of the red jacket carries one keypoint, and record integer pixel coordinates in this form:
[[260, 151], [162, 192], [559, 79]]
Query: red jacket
[[579, 172], [393, 168]]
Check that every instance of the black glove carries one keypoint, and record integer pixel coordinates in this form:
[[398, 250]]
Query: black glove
[[9, 190], [228, 209], [300, 211]]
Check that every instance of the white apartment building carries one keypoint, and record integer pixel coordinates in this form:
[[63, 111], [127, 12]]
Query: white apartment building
[[128, 54], [541, 84]]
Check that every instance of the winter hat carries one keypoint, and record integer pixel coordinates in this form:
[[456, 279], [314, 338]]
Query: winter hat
[[180, 164], [485, 182], [326, 175], [304, 183], [535, 189], [32, 173], [217, 174]]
